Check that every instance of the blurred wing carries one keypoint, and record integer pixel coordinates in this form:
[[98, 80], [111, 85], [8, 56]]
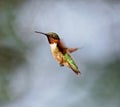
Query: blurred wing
[[62, 47], [62, 44], [70, 50]]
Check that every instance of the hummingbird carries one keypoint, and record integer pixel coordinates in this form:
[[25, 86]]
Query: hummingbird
[[60, 52]]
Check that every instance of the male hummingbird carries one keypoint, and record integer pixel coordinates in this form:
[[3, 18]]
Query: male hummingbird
[[60, 52]]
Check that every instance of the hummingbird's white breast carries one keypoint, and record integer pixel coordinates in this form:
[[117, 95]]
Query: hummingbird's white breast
[[56, 53], [53, 46]]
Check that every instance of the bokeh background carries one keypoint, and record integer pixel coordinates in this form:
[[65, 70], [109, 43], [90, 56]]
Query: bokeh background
[[30, 77]]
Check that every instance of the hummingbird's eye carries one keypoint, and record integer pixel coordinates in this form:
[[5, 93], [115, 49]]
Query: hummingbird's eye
[[54, 36]]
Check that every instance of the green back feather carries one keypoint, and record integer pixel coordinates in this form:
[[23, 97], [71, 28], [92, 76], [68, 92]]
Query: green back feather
[[71, 62]]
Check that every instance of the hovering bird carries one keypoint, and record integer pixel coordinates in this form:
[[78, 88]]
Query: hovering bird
[[60, 52]]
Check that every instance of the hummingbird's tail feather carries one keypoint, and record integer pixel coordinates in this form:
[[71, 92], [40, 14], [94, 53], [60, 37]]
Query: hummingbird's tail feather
[[76, 71]]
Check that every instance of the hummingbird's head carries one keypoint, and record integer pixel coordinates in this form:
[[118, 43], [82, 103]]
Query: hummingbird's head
[[52, 37]]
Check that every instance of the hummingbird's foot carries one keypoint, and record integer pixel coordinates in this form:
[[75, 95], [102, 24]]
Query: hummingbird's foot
[[61, 65]]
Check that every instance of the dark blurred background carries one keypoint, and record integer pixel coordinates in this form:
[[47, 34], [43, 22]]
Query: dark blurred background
[[30, 77]]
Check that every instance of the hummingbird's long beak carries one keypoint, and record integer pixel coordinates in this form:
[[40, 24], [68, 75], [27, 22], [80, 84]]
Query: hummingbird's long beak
[[41, 33]]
